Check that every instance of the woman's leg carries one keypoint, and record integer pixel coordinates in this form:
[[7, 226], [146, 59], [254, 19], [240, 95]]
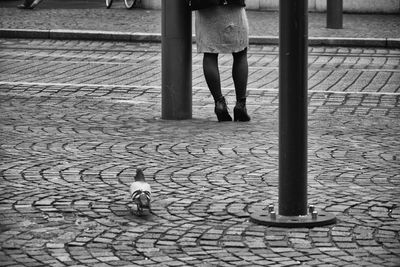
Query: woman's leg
[[240, 73], [211, 74]]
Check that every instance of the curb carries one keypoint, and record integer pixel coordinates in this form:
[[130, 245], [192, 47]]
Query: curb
[[80, 35], [156, 37]]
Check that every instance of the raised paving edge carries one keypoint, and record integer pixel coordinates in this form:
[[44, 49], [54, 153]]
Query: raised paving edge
[[156, 37]]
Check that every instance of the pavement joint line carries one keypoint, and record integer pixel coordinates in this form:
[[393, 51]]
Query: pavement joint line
[[197, 66], [194, 65], [310, 53], [74, 62], [156, 37], [146, 87]]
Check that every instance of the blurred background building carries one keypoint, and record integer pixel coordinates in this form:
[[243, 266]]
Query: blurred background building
[[351, 6]]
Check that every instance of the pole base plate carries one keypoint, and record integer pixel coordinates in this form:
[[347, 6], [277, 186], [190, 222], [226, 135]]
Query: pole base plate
[[263, 217]]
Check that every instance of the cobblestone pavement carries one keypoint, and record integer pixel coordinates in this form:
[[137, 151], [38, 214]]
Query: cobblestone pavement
[[92, 15], [78, 118]]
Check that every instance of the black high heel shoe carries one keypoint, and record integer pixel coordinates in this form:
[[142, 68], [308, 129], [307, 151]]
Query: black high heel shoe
[[240, 112], [221, 110]]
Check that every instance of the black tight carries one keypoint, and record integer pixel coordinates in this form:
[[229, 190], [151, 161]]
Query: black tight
[[211, 73], [240, 72]]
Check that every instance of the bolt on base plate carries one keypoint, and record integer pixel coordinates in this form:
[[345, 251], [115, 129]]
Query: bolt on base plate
[[313, 219]]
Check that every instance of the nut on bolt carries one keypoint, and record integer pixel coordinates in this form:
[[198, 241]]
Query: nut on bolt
[[314, 215], [311, 208], [272, 214], [271, 208]]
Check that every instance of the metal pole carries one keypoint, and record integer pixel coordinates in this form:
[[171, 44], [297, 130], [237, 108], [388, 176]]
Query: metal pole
[[293, 98], [334, 14], [293, 78], [176, 60]]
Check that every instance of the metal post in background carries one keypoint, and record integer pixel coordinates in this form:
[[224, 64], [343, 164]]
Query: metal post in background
[[334, 14], [293, 102], [176, 60]]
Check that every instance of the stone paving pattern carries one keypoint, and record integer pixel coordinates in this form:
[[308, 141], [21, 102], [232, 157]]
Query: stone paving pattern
[[78, 117]]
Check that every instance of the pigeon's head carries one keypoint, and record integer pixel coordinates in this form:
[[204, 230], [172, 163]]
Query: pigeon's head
[[139, 175]]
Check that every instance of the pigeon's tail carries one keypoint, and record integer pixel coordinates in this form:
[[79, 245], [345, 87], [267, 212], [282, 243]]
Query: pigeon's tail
[[139, 175], [136, 195], [144, 200]]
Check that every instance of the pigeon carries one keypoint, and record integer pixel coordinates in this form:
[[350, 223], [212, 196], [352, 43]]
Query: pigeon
[[140, 192]]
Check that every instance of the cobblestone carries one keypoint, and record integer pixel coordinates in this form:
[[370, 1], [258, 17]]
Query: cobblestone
[[73, 133]]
